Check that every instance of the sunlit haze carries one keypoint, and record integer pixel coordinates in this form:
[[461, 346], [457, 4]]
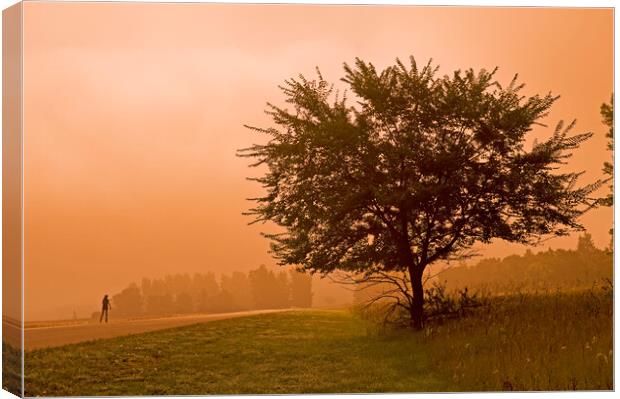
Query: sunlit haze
[[133, 114]]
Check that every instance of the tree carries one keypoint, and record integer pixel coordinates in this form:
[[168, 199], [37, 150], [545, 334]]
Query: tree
[[607, 112], [301, 289], [585, 244], [160, 304], [269, 291], [204, 287], [222, 302], [128, 302], [282, 290], [571, 269], [238, 285], [184, 303], [420, 169]]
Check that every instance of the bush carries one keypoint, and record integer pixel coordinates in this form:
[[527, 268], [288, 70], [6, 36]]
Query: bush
[[439, 305]]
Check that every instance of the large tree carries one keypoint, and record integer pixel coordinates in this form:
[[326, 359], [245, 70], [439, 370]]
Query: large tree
[[301, 289], [418, 169]]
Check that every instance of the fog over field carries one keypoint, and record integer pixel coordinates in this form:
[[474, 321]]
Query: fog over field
[[131, 131]]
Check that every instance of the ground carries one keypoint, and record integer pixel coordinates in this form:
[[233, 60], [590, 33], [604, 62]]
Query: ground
[[293, 352], [47, 334], [11, 369], [527, 341]]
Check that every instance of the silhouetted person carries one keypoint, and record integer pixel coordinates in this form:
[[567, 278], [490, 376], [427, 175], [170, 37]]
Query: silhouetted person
[[105, 306]]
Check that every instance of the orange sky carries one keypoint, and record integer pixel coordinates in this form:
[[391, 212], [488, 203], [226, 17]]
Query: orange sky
[[133, 114]]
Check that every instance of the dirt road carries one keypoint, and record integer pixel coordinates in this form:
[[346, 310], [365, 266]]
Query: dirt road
[[57, 335]]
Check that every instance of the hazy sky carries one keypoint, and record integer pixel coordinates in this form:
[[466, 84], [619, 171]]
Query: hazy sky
[[133, 114]]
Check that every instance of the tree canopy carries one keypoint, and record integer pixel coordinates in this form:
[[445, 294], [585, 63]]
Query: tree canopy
[[570, 269], [417, 169]]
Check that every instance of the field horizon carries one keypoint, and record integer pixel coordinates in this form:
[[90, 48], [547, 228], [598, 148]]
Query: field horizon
[[337, 351]]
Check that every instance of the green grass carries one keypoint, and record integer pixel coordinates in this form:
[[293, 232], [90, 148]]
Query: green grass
[[11, 369], [529, 342], [552, 341], [293, 352]]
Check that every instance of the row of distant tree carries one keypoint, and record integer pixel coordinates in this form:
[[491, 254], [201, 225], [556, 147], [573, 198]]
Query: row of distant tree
[[202, 292], [560, 268], [579, 268]]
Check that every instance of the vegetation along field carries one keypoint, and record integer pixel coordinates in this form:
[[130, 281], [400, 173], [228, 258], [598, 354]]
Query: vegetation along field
[[551, 341], [11, 369]]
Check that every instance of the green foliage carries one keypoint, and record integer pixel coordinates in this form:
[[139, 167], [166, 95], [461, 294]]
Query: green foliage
[[440, 305], [580, 268], [301, 289], [380, 303], [239, 286], [607, 112], [184, 303], [183, 294], [529, 342], [128, 302], [11, 369], [421, 168], [269, 290]]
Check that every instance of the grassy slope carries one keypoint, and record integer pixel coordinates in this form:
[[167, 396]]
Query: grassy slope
[[11, 369], [554, 341], [296, 352]]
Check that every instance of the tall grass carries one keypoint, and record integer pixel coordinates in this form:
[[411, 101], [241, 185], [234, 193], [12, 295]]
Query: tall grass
[[11, 369], [529, 341]]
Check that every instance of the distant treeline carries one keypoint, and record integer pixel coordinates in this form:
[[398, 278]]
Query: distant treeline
[[580, 268], [202, 292], [551, 269]]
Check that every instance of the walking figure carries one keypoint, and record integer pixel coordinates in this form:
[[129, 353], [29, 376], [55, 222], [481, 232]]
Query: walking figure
[[105, 306]]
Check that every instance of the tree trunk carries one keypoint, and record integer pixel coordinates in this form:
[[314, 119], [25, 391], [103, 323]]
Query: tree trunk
[[417, 308]]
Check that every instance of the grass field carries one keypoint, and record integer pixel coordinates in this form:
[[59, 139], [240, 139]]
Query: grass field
[[11, 369], [557, 341], [524, 342], [296, 352]]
